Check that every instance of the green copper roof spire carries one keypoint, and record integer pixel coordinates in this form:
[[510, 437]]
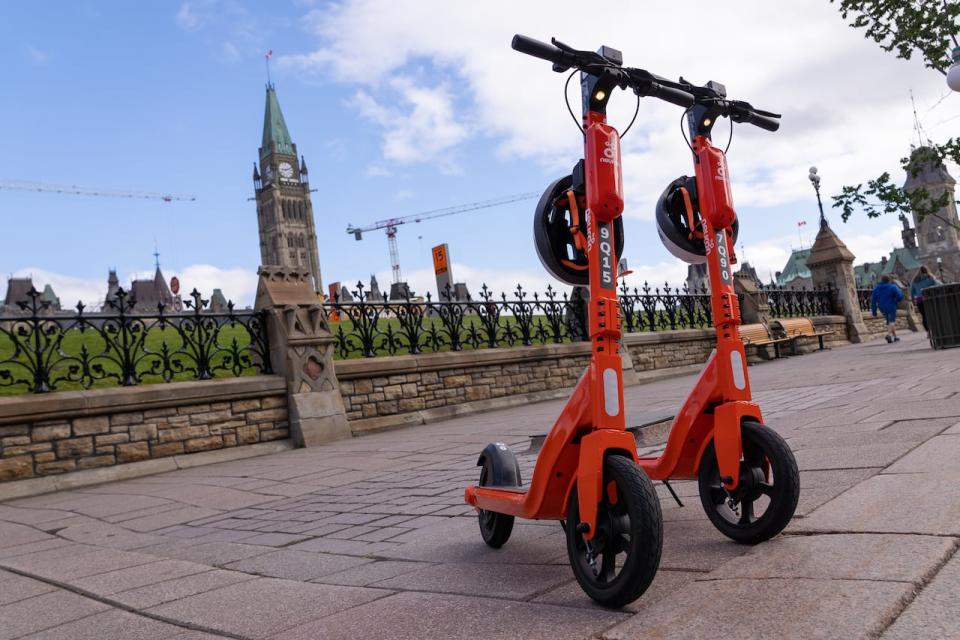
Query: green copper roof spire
[[276, 138]]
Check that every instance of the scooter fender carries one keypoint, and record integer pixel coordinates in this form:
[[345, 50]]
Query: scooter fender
[[503, 465], [594, 447], [727, 442]]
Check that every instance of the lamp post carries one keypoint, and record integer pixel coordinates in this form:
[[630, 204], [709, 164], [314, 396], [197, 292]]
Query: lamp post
[[940, 268], [815, 181], [953, 74]]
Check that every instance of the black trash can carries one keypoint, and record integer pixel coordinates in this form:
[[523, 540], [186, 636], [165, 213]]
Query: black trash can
[[942, 306]]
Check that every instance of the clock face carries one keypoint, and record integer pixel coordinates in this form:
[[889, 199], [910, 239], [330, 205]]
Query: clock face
[[286, 171]]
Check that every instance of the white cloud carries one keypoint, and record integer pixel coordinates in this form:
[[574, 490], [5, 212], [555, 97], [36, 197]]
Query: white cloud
[[845, 101], [70, 289], [238, 284], [419, 127], [187, 18]]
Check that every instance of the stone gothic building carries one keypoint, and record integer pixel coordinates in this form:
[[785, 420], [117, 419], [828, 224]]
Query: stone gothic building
[[288, 237], [937, 238]]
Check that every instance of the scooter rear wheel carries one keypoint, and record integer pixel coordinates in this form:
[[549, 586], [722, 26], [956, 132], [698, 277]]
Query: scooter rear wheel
[[495, 528], [769, 480], [618, 565]]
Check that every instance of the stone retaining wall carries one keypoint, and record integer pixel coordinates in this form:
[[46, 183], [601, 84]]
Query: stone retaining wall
[[878, 326], [74, 430], [381, 387], [403, 390]]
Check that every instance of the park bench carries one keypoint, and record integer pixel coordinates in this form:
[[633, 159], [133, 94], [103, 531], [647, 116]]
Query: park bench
[[757, 335], [796, 328]]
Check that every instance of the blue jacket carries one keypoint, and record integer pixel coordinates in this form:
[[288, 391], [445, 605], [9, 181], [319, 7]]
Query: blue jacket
[[885, 295], [917, 287]]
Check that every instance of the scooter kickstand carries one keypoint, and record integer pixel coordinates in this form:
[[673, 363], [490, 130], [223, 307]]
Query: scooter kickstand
[[672, 492]]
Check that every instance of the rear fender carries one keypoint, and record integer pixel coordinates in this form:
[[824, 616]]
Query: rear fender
[[504, 468]]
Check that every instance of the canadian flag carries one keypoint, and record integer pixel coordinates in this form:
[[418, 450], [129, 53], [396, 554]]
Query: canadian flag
[[269, 54], [802, 223]]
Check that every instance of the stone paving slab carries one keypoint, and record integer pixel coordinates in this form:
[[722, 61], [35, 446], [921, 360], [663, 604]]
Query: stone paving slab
[[175, 589], [853, 457], [769, 608], [936, 611], [899, 558], [296, 565], [45, 612], [414, 616], [515, 582], [13, 535], [372, 572], [112, 582], [900, 503], [75, 561], [940, 454], [268, 606], [664, 585], [14, 588], [111, 624]]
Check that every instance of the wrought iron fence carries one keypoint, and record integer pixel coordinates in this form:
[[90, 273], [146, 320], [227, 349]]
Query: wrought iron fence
[[368, 328], [798, 303], [42, 351]]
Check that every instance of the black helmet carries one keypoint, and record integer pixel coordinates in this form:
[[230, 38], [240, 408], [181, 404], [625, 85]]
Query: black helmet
[[554, 237], [678, 221]]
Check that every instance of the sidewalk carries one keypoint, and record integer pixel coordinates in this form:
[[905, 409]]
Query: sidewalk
[[370, 538]]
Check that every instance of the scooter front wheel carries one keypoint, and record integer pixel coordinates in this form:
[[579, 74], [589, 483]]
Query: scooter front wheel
[[495, 528], [618, 565], [767, 493]]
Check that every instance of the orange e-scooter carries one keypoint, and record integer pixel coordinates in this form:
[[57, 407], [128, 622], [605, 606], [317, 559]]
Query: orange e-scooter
[[588, 474]]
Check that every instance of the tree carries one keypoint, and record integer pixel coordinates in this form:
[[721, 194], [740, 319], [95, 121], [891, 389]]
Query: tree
[[906, 27]]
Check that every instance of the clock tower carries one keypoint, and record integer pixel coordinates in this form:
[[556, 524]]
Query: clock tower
[[288, 237]]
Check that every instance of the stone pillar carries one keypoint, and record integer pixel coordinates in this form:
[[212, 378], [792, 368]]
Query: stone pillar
[[831, 265], [301, 347], [754, 306]]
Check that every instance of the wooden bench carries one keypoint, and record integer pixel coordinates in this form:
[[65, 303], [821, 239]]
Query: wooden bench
[[795, 328], [757, 335]]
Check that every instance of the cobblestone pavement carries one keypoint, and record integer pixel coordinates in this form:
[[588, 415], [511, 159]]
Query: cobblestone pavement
[[370, 538]]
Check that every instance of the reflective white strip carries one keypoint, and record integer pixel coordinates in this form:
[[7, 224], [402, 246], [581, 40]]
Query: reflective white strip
[[739, 376], [611, 392]]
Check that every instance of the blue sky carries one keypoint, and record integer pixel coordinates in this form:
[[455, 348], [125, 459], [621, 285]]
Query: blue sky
[[402, 107]]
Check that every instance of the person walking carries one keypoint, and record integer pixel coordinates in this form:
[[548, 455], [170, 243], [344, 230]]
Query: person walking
[[921, 281], [885, 297]]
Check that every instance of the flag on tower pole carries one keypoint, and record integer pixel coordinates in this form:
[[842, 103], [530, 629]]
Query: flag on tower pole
[[267, 56], [802, 223]]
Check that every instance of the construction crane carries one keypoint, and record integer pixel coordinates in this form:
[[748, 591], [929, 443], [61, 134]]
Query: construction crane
[[77, 190], [391, 224]]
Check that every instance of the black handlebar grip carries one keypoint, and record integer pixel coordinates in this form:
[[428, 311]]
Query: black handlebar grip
[[764, 122], [537, 49], [672, 95]]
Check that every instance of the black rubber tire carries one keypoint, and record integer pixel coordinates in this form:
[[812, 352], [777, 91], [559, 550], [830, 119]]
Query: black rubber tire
[[495, 528], [764, 452], [637, 502]]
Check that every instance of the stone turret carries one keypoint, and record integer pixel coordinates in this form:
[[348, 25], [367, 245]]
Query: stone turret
[[831, 265]]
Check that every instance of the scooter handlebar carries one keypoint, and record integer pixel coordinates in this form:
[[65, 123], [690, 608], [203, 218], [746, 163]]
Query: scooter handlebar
[[764, 122], [678, 97], [537, 49]]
